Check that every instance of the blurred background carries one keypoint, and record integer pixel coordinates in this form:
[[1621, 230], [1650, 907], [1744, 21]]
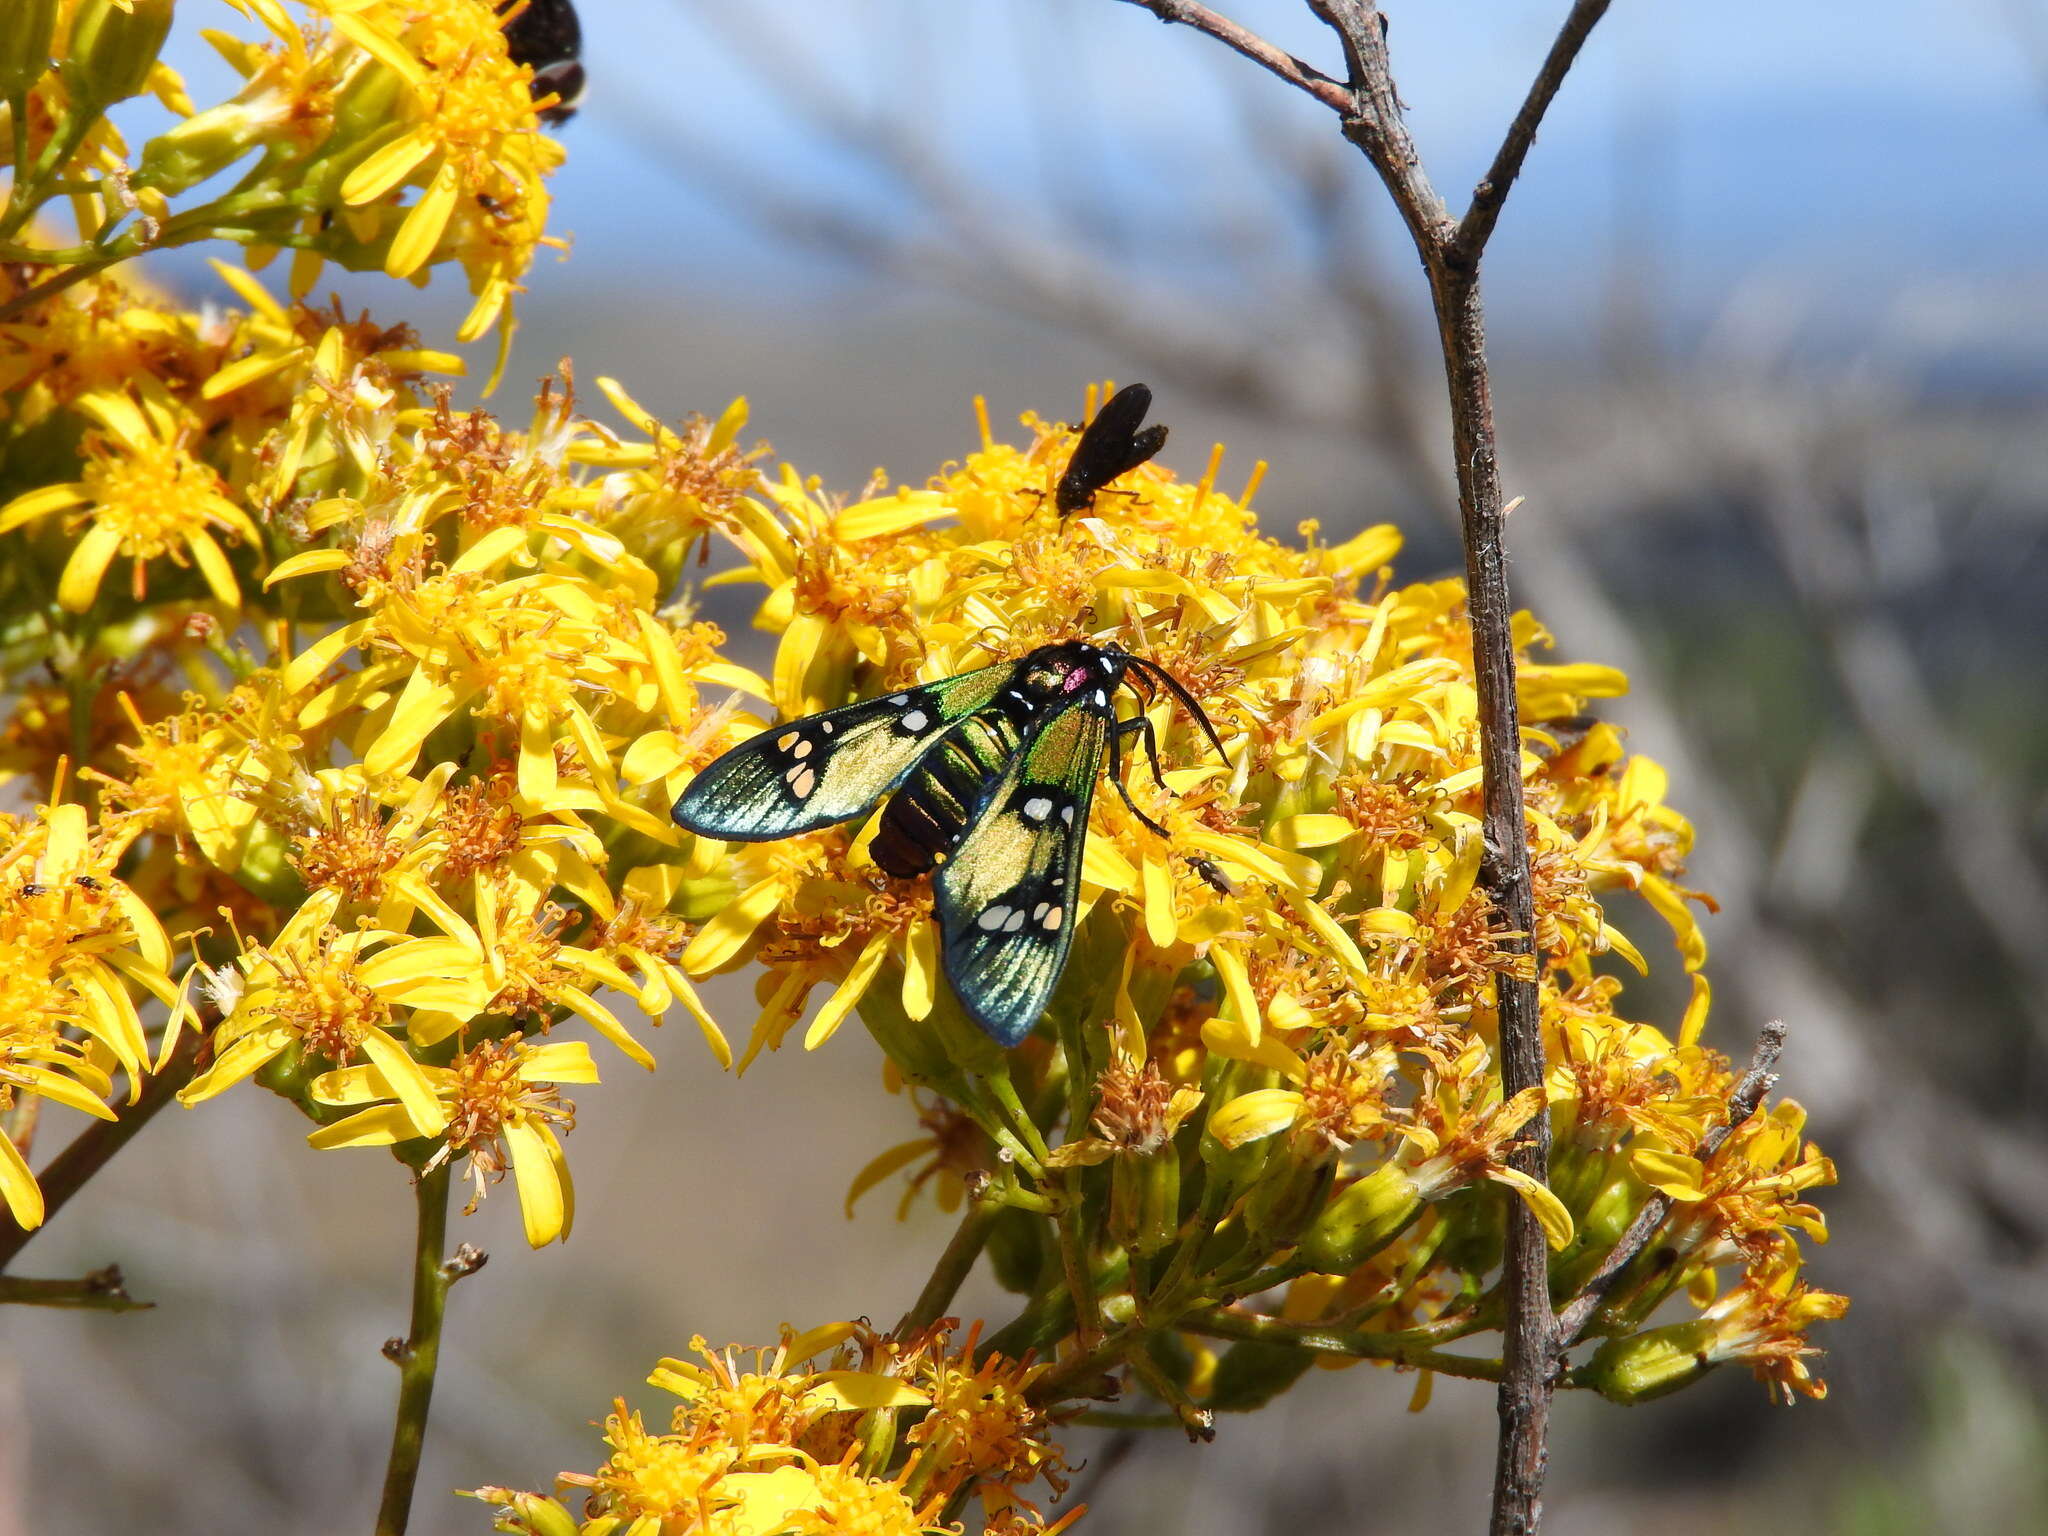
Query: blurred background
[[1770, 326]]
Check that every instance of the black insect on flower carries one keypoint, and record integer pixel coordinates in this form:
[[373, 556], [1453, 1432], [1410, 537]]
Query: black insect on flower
[[546, 36], [1111, 445]]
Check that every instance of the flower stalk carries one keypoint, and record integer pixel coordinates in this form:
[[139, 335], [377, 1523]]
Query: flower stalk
[[418, 1354]]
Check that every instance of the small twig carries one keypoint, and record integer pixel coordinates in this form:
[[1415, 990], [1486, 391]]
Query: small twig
[[1476, 228], [104, 1290], [91, 1149], [1353, 1343], [1742, 1103], [1304, 77], [968, 1239], [419, 1352]]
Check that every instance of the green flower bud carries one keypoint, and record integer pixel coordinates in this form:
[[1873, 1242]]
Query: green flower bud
[[1287, 1198], [25, 44], [196, 148], [266, 866], [1144, 1199], [1647, 1365], [112, 50], [1362, 1220], [1017, 1249], [1252, 1373], [543, 1516], [877, 1440]]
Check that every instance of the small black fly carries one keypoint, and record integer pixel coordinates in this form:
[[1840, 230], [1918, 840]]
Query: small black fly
[[1110, 445], [1213, 877], [546, 36]]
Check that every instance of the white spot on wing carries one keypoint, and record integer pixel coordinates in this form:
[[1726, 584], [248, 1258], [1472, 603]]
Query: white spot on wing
[[1051, 920], [1101, 697], [802, 780], [899, 699], [916, 720], [801, 750], [1016, 920], [993, 918], [1067, 814], [1037, 808]]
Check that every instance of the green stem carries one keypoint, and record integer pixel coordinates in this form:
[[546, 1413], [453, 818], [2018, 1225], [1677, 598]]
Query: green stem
[[1089, 1364], [969, 1238], [101, 1291], [1227, 1323], [419, 1352], [97, 1143]]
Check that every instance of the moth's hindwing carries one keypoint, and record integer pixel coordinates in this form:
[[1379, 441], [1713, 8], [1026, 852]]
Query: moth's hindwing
[[831, 766], [1005, 900]]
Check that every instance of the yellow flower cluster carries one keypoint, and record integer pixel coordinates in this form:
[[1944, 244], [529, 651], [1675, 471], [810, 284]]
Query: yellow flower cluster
[[377, 709], [1274, 1049], [417, 823], [77, 946], [339, 118], [805, 1443]]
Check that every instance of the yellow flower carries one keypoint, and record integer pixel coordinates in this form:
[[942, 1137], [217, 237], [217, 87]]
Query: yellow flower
[[464, 131], [304, 991], [499, 1103], [73, 940], [145, 496]]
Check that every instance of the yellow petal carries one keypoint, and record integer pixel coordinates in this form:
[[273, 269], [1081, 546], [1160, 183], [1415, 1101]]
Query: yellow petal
[[246, 1056], [80, 583], [848, 992], [880, 1166], [546, 1204], [213, 565], [30, 505], [920, 970], [1161, 927], [558, 1061], [24, 1196], [422, 1105], [1249, 1116], [1237, 987], [1550, 1213], [378, 1126], [1317, 829], [862, 1390], [720, 941], [605, 1022], [1672, 1173], [424, 224], [380, 171]]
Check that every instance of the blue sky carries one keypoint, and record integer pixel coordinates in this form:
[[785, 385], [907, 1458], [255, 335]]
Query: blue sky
[[1877, 168]]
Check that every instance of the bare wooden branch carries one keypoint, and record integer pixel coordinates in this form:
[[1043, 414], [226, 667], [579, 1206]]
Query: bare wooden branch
[[1305, 77], [1748, 1095], [94, 1146], [1476, 228]]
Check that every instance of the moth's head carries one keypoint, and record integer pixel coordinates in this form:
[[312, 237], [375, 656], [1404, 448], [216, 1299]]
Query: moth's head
[[1054, 671]]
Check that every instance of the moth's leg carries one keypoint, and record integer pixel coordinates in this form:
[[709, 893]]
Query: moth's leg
[[1137, 724]]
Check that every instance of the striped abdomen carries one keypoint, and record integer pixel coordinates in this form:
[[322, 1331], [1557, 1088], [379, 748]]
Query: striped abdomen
[[928, 814]]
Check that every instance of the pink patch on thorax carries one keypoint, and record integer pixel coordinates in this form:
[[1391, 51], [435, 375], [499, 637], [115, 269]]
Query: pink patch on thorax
[[1076, 679]]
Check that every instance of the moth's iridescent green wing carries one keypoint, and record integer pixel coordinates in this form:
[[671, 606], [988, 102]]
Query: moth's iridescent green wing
[[831, 766], [1005, 899]]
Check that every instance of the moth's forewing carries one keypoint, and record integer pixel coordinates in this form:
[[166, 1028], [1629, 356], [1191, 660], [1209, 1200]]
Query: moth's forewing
[[831, 766], [1005, 900]]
